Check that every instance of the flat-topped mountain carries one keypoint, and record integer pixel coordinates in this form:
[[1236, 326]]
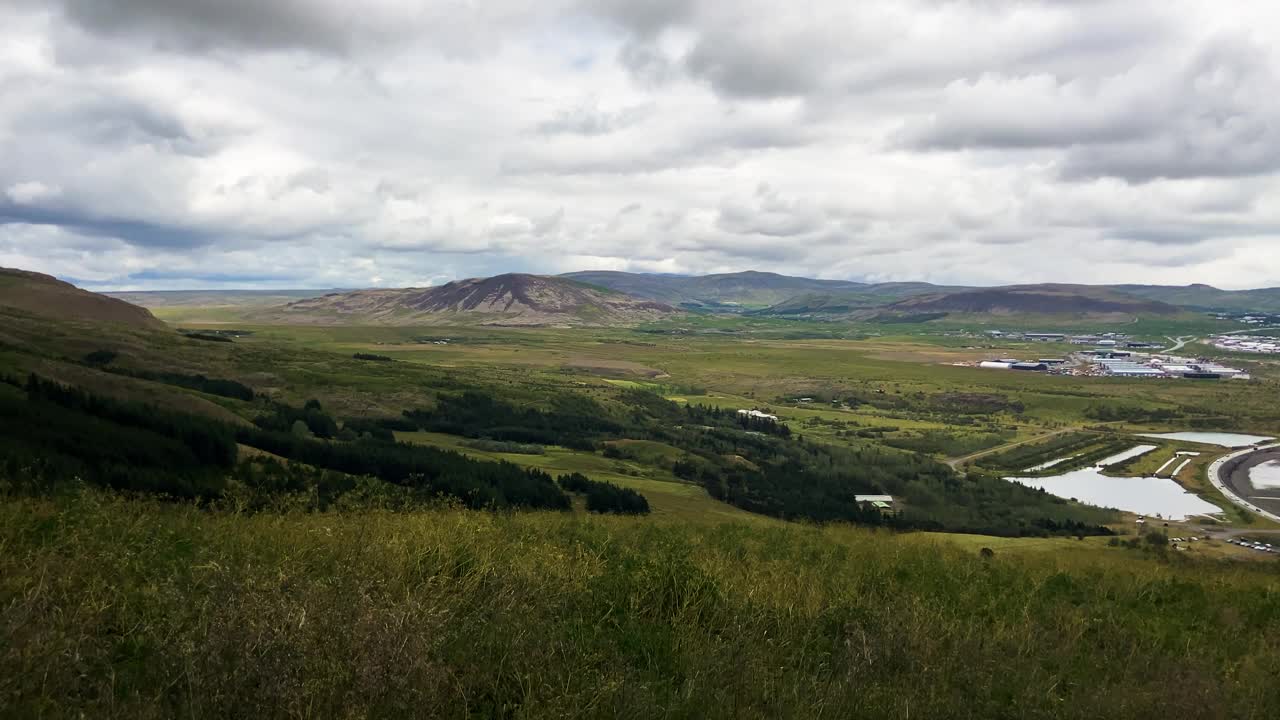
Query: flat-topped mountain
[[511, 299], [1081, 300], [749, 289], [45, 296]]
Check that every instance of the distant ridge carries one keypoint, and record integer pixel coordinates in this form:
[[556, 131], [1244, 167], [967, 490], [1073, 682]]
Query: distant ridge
[[1082, 300], [45, 296], [511, 299], [750, 289], [1207, 297]]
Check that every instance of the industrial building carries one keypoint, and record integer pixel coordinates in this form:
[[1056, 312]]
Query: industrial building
[[1169, 367]]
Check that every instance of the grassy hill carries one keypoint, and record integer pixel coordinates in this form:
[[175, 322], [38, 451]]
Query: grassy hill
[[908, 302], [126, 608], [726, 291], [1207, 297], [850, 301], [1078, 300], [512, 299], [43, 296]]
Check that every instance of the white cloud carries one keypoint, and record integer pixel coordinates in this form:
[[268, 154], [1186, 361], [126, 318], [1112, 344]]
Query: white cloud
[[31, 191], [320, 143]]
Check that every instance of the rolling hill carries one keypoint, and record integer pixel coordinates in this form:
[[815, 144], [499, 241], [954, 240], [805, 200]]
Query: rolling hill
[[44, 296], [920, 302], [852, 300], [1077, 300], [1207, 297], [512, 299], [728, 291]]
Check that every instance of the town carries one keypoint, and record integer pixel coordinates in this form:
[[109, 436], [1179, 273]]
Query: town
[[1117, 355]]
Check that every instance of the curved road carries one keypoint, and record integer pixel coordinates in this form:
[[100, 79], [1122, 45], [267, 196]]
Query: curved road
[[1179, 343], [1228, 485]]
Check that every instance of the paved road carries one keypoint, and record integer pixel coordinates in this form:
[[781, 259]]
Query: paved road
[[1179, 343], [1235, 486], [1224, 533], [957, 462]]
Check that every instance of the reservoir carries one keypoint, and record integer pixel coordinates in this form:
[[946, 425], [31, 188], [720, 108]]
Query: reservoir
[[1157, 497], [1227, 440]]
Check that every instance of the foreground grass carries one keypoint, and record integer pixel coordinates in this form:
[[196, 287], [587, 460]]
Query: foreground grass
[[117, 608]]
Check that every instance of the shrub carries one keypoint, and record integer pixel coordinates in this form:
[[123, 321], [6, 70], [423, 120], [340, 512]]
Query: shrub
[[604, 497]]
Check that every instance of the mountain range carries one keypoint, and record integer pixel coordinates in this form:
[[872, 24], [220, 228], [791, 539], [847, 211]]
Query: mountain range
[[728, 291], [773, 294], [620, 298]]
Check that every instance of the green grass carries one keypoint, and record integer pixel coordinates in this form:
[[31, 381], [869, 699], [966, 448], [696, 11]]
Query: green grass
[[117, 608], [668, 496]]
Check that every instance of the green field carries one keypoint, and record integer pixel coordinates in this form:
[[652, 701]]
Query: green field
[[277, 601]]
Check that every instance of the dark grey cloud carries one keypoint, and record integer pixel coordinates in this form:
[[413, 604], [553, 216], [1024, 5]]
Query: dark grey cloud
[[114, 120], [746, 71], [142, 233], [210, 24]]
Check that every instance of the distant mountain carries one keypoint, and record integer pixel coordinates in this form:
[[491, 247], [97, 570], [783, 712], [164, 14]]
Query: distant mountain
[[1060, 300], [512, 300], [847, 301], [1207, 297], [45, 296], [727, 291], [214, 298]]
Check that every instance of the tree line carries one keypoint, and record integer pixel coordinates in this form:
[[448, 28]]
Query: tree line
[[55, 435]]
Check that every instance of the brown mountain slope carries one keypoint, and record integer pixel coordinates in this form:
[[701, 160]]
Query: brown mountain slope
[[45, 296], [1035, 300], [512, 299]]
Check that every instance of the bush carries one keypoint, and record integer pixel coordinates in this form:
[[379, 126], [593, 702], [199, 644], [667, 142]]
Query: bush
[[100, 357], [208, 338], [500, 446], [604, 497]]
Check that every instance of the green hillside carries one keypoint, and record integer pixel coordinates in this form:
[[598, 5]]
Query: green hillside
[[278, 520], [121, 608], [1206, 297], [729, 291]]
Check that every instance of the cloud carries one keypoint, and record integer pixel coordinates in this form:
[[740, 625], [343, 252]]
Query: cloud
[[26, 193], [324, 143], [1212, 116]]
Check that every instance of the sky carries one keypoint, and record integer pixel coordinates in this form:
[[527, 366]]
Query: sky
[[169, 144]]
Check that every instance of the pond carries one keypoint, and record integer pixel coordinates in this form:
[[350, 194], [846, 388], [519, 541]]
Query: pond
[[1265, 476], [1143, 495], [1227, 440]]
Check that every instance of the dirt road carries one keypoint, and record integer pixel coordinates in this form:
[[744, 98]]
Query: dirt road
[[958, 461]]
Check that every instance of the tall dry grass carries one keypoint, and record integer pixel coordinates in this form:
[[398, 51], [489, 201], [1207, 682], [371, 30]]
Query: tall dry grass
[[122, 608]]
